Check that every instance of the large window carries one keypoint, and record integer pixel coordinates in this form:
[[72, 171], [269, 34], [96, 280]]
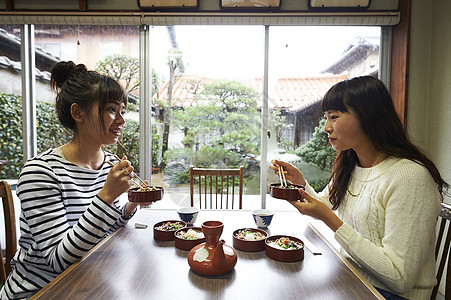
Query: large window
[[210, 100], [211, 95], [208, 93]]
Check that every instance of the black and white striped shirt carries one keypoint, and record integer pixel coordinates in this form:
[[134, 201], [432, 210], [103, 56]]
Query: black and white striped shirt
[[61, 219]]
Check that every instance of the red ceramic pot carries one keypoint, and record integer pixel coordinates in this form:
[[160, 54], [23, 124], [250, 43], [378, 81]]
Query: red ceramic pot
[[212, 257]]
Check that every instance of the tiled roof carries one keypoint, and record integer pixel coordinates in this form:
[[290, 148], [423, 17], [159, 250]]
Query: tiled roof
[[6, 63], [290, 93]]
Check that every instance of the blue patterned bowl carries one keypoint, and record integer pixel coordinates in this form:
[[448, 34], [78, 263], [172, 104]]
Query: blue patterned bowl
[[188, 214], [262, 217]]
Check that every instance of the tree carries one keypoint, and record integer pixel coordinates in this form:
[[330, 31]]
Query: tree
[[122, 68], [317, 150], [176, 69], [224, 125]]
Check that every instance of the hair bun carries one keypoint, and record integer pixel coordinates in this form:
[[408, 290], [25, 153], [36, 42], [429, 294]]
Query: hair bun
[[61, 71]]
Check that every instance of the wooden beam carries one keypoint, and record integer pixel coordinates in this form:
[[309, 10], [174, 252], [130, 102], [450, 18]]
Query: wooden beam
[[9, 5], [399, 78], [83, 5]]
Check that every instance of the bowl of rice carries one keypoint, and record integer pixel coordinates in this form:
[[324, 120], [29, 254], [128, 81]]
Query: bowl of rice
[[188, 237], [249, 239], [284, 248]]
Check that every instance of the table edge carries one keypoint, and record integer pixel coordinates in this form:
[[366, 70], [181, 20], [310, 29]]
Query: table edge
[[347, 263], [42, 291]]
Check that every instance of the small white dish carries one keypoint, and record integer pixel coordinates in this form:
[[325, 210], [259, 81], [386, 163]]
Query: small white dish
[[262, 217]]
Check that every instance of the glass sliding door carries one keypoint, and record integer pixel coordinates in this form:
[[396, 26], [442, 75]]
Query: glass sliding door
[[208, 102]]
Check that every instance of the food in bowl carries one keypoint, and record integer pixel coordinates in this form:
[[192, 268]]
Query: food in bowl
[[288, 192], [249, 235], [190, 234], [147, 194], [186, 238], [249, 239], [170, 226], [165, 230], [284, 248], [285, 243]]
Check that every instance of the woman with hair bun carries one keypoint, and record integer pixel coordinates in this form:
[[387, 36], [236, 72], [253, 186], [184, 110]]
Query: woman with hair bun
[[385, 190], [70, 195]]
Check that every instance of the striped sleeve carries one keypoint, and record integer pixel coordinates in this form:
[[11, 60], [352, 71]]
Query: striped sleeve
[[46, 210]]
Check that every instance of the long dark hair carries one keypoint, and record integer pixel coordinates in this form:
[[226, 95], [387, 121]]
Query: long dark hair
[[370, 100], [76, 84]]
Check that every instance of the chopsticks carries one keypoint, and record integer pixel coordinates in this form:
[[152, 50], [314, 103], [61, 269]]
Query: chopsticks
[[142, 187], [283, 181], [309, 245], [136, 175], [117, 157]]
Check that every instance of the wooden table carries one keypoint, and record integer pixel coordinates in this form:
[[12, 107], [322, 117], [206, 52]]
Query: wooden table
[[131, 265]]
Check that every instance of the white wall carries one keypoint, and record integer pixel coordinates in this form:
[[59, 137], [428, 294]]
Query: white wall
[[429, 92]]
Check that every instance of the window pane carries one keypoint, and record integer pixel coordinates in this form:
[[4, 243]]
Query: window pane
[[304, 63], [11, 154], [110, 50], [209, 100]]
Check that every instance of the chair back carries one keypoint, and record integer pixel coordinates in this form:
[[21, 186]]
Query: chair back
[[216, 188], [443, 257], [10, 229]]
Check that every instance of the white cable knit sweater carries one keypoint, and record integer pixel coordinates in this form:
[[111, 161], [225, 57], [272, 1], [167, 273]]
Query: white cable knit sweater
[[389, 229]]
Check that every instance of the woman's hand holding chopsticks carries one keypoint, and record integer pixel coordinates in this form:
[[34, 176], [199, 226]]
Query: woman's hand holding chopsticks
[[287, 172]]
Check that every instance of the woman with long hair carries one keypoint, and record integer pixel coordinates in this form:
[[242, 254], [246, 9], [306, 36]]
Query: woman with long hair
[[384, 194]]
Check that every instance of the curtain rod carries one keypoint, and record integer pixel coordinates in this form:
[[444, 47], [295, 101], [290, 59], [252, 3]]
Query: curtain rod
[[198, 14]]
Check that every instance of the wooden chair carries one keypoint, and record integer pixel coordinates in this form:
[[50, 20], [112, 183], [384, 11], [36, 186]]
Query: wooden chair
[[10, 229], [216, 187], [443, 242]]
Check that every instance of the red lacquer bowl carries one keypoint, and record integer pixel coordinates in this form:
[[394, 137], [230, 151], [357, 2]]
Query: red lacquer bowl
[[281, 254], [185, 244], [287, 193], [249, 245], [165, 234], [137, 195]]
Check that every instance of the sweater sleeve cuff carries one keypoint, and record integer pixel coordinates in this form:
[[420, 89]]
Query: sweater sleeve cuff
[[344, 235]]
